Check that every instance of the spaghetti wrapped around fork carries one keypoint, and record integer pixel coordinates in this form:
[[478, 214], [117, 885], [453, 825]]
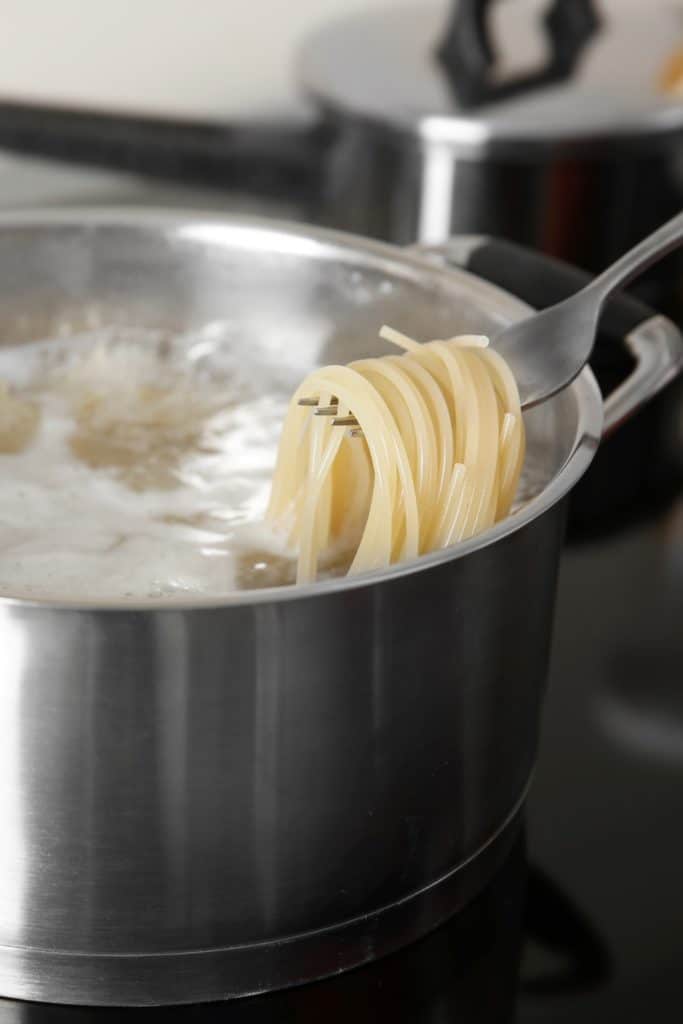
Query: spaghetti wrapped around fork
[[433, 456]]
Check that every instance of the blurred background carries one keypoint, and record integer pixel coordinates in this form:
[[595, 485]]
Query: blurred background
[[208, 60], [560, 133], [178, 57]]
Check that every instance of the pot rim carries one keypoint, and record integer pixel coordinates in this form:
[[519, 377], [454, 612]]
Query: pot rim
[[588, 398]]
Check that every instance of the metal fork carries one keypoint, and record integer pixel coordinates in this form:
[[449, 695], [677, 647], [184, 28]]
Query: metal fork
[[332, 410], [548, 350]]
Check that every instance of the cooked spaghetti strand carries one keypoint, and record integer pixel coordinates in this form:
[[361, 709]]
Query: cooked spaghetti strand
[[437, 458]]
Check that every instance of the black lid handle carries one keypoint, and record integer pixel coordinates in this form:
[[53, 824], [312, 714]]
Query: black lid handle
[[467, 54]]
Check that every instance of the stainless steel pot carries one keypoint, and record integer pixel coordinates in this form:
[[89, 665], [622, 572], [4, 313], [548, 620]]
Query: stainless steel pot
[[437, 131], [207, 801]]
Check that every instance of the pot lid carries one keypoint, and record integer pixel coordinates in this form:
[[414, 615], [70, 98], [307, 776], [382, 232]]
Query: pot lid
[[561, 73]]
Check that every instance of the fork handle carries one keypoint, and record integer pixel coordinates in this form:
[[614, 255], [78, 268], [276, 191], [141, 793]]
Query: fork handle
[[638, 472], [643, 255], [637, 353], [540, 280]]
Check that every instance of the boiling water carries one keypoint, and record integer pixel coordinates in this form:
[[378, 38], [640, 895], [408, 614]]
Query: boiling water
[[147, 472], [137, 466]]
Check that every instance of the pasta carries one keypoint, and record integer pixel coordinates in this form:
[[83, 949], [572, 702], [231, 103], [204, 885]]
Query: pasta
[[433, 456], [19, 421]]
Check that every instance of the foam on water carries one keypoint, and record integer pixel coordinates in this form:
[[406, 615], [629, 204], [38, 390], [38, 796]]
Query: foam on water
[[76, 529], [96, 507]]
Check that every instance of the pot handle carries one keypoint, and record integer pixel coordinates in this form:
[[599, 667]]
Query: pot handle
[[653, 342], [277, 159]]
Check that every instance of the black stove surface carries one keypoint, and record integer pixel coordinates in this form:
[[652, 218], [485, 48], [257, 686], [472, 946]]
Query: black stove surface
[[585, 921], [605, 813]]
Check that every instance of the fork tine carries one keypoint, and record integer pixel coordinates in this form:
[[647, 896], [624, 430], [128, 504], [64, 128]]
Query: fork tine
[[314, 399], [329, 410]]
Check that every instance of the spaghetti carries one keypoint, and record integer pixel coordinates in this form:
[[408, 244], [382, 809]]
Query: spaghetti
[[435, 457]]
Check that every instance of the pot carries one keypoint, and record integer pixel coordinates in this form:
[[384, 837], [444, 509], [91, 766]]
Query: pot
[[422, 127], [219, 799], [437, 130]]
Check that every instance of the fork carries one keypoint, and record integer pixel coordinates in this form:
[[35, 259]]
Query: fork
[[547, 350]]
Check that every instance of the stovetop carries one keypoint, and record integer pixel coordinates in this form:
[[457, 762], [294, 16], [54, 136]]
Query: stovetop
[[604, 815], [585, 921]]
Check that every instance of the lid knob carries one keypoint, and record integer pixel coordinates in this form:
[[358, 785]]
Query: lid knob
[[467, 55]]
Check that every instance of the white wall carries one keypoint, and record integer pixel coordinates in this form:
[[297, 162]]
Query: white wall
[[211, 58], [195, 57]]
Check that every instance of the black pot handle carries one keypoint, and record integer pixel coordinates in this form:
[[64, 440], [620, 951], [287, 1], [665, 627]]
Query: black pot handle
[[638, 351], [541, 280], [272, 159]]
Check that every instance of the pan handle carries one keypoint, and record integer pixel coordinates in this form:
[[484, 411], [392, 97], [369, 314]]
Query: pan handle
[[652, 344], [271, 159]]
